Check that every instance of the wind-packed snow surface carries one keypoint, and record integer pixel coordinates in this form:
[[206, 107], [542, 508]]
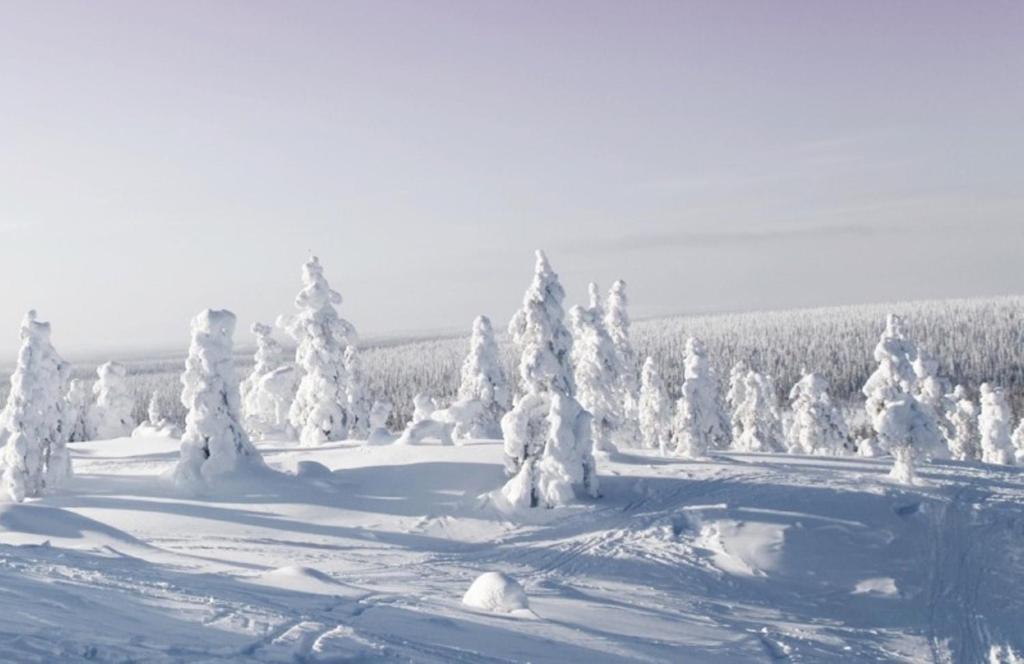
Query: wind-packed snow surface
[[352, 552]]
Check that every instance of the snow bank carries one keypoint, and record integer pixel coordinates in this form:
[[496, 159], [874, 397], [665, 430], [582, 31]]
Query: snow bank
[[496, 592]]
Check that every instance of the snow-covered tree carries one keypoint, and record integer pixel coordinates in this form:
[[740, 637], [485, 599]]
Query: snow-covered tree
[[545, 345], [78, 403], [269, 356], [357, 395], [111, 412], [699, 424], [735, 395], [268, 390], [655, 409], [994, 424], [483, 383], [963, 423], [156, 424], [318, 412], [214, 443], [34, 422], [597, 372], [931, 392], [905, 427], [1018, 442], [427, 422], [817, 427], [617, 322], [758, 416], [379, 414]]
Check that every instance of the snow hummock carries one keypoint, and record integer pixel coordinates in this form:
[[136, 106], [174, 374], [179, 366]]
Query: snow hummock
[[497, 592]]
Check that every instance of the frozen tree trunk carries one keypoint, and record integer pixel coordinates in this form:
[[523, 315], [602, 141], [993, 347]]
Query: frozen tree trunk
[[214, 444], [655, 409], [111, 412], [34, 421], [319, 410]]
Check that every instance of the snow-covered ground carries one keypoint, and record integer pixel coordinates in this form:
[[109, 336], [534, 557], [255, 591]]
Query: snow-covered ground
[[346, 552]]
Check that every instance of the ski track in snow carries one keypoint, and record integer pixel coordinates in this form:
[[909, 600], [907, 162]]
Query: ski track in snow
[[737, 558]]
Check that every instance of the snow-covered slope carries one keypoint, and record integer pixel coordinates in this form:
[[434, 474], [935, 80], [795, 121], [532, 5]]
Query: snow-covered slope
[[344, 552]]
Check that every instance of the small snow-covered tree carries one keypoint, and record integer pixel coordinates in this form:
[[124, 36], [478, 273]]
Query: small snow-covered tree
[[617, 322], [655, 409], [963, 423], [758, 415], [156, 424], [597, 372], [111, 412], [893, 377], [269, 356], [34, 422], [817, 427], [931, 392], [214, 443], [994, 426], [357, 396], [735, 396], [78, 403], [699, 422], [539, 332], [483, 382], [318, 412]]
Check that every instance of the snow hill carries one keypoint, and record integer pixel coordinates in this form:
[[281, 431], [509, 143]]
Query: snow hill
[[347, 552]]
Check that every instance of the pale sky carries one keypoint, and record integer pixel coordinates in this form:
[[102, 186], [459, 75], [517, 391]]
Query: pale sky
[[157, 158]]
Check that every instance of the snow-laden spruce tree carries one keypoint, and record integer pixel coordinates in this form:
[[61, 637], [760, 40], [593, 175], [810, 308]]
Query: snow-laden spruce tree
[[77, 404], [538, 330], [318, 412], [617, 322], [735, 395], [964, 443], [483, 383], [214, 443], [699, 424], [111, 412], [931, 392], [597, 372], [994, 424], [655, 409], [758, 415], [357, 395], [905, 427], [269, 356], [34, 422], [157, 424], [817, 427]]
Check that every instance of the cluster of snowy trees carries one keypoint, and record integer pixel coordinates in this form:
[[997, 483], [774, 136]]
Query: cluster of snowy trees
[[567, 389]]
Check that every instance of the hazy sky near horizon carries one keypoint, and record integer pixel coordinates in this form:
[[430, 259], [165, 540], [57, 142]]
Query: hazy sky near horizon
[[157, 158]]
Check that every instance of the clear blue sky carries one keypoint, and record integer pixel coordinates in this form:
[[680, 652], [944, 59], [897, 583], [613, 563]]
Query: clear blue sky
[[157, 158]]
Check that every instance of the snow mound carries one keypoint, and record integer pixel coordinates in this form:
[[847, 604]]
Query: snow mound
[[312, 470], [301, 579], [496, 592]]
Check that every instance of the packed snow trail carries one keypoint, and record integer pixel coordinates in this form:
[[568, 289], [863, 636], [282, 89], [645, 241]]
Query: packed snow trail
[[342, 552]]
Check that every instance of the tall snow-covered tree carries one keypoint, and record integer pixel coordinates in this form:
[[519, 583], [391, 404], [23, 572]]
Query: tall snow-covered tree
[[318, 412], [817, 427], [617, 322], [758, 415], [655, 409], [597, 372], [905, 427], [78, 403], [964, 443], [483, 383], [699, 422], [735, 396], [357, 395], [214, 443], [538, 330], [994, 424], [268, 390], [34, 422], [111, 412]]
